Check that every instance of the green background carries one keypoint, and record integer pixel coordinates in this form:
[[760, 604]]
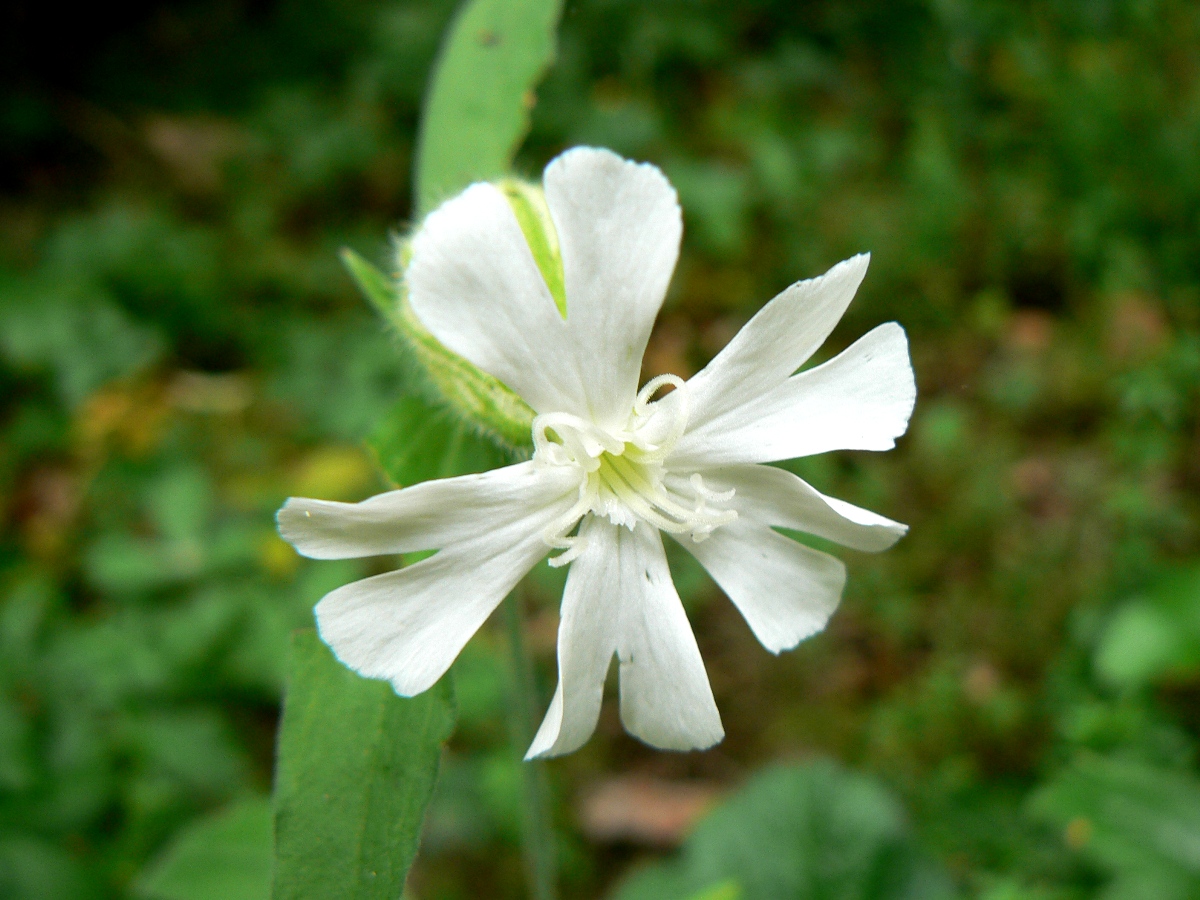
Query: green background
[[1012, 693]]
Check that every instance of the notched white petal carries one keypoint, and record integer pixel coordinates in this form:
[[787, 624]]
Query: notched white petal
[[776, 341], [785, 590], [620, 598], [474, 283], [408, 626], [619, 226], [666, 699], [426, 516], [859, 400], [774, 497]]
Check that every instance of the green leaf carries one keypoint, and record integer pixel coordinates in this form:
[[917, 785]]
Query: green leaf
[[36, 869], [226, 856], [798, 833], [477, 111], [357, 766], [473, 396], [1139, 821], [417, 442], [78, 334], [1156, 636], [475, 116]]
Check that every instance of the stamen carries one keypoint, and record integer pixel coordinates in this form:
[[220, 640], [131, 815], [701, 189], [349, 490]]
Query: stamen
[[577, 545], [657, 493], [651, 387], [639, 504], [621, 473], [555, 534], [697, 482], [681, 409]]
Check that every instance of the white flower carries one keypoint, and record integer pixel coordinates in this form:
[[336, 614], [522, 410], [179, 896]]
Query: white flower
[[612, 468]]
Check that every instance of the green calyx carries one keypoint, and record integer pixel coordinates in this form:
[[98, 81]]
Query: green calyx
[[528, 203], [473, 395]]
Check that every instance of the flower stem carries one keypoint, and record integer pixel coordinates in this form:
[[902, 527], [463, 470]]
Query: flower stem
[[537, 827]]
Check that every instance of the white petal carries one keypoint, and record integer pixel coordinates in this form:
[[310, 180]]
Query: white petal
[[620, 597], [859, 400], [619, 226], [776, 341], [666, 699], [774, 497], [587, 640], [785, 590], [426, 516], [474, 284], [408, 626]]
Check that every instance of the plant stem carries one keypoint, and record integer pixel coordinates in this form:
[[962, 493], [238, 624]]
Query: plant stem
[[538, 829]]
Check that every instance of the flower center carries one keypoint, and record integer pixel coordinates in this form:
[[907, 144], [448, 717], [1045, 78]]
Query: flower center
[[623, 474]]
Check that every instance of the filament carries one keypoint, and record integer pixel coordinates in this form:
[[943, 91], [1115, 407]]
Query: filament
[[622, 473]]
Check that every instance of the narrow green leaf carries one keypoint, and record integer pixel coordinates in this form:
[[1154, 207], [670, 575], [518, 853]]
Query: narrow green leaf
[[377, 287], [357, 766], [226, 856], [416, 442], [477, 110]]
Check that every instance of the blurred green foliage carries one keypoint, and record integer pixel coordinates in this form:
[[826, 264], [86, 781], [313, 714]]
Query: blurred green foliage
[[226, 856], [810, 833], [1156, 637], [180, 349]]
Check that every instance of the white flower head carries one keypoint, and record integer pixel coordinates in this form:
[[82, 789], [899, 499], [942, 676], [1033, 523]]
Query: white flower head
[[613, 468]]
